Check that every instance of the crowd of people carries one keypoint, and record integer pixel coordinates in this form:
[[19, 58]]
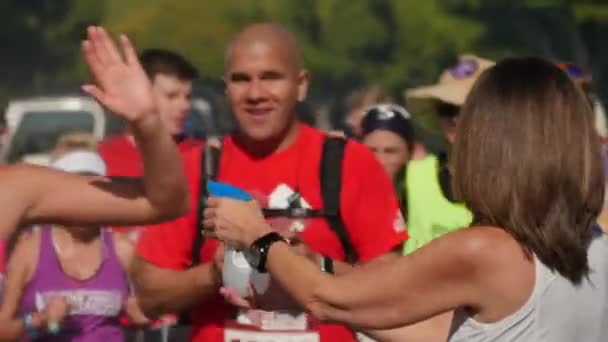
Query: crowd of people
[[353, 235]]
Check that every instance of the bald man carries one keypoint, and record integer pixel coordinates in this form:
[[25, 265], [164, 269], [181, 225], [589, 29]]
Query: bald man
[[277, 160]]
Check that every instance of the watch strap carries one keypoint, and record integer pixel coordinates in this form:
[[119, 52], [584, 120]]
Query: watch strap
[[327, 264], [263, 245]]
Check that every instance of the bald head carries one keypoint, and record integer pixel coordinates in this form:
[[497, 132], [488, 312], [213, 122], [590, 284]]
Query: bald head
[[265, 36]]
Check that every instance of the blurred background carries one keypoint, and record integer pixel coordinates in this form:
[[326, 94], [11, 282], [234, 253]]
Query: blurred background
[[348, 44]]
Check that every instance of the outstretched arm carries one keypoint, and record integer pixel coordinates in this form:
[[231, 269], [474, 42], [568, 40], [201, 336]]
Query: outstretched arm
[[437, 279]]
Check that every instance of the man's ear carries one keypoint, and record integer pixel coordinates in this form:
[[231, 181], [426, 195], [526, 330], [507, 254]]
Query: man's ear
[[303, 82]]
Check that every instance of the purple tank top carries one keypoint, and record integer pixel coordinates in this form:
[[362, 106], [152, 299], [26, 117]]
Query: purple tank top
[[98, 300]]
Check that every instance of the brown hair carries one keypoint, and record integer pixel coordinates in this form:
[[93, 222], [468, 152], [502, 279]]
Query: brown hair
[[527, 159], [159, 61], [367, 97]]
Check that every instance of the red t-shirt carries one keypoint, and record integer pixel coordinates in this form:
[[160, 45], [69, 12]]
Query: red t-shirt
[[122, 156], [368, 204], [123, 159]]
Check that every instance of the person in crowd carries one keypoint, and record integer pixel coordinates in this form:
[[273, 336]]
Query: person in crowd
[[531, 267], [171, 76], [388, 131], [358, 101], [88, 266], [583, 79], [432, 209], [277, 159], [33, 195]]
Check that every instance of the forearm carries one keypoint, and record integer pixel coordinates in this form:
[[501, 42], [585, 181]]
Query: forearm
[[174, 291], [341, 268], [164, 181], [12, 329], [298, 275]]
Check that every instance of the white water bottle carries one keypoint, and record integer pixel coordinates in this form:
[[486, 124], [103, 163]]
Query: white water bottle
[[237, 272]]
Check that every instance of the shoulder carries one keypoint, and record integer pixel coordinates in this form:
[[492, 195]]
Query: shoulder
[[358, 155], [125, 249], [482, 247], [24, 254], [426, 162]]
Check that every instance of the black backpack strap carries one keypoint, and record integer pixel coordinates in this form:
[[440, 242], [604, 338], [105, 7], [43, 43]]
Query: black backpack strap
[[445, 178], [331, 184], [210, 163]]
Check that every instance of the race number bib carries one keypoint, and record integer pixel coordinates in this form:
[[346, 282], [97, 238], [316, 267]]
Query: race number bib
[[231, 335], [264, 326]]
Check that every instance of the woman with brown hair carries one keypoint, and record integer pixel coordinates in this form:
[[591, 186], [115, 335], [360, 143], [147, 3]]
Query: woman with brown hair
[[532, 266]]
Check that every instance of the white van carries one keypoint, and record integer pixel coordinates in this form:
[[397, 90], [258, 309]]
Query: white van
[[33, 125]]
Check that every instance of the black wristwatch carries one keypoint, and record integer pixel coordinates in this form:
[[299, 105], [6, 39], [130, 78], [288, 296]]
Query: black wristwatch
[[327, 264], [257, 253]]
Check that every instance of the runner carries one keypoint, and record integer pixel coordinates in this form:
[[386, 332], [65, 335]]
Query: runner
[[279, 161], [88, 266]]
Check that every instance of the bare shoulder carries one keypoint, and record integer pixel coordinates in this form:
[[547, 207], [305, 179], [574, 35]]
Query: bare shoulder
[[483, 248], [24, 256], [125, 249]]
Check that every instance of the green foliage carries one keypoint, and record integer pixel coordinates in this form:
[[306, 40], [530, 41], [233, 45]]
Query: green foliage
[[346, 43]]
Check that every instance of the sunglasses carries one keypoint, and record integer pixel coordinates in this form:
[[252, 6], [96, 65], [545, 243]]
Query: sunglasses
[[447, 110], [464, 69], [386, 112], [571, 69]]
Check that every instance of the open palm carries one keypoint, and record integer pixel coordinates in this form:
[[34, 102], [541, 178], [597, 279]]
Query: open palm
[[122, 86]]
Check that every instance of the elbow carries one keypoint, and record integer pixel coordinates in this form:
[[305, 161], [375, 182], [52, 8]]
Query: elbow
[[149, 306], [182, 204], [173, 206]]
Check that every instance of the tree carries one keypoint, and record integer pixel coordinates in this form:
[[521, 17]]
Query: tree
[[43, 40]]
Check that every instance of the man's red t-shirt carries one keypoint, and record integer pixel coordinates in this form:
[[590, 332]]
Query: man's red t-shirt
[[368, 205]]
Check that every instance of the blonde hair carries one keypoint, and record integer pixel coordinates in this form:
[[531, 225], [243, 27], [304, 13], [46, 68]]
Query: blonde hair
[[74, 141]]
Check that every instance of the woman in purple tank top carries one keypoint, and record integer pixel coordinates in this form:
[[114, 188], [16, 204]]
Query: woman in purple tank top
[[82, 267], [31, 195]]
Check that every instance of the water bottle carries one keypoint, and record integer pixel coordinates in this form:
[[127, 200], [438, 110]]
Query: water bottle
[[237, 273]]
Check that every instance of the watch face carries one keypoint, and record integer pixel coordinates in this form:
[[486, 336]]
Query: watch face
[[252, 254]]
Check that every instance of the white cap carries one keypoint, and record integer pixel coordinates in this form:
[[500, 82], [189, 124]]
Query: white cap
[[80, 162]]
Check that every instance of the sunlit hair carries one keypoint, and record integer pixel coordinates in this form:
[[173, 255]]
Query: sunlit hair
[[527, 159]]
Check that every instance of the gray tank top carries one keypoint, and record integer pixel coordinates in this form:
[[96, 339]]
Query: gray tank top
[[557, 310]]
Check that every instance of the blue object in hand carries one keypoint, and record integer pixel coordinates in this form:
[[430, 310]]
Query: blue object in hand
[[218, 189]]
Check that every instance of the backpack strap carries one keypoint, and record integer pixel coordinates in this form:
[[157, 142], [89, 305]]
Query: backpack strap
[[210, 163], [331, 185]]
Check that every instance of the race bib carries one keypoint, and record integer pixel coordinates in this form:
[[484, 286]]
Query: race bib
[[265, 326], [232, 335]]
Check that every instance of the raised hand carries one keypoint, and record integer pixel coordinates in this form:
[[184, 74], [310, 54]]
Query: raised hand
[[122, 86]]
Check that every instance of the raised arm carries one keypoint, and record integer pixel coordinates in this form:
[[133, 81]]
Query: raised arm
[[48, 196]]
